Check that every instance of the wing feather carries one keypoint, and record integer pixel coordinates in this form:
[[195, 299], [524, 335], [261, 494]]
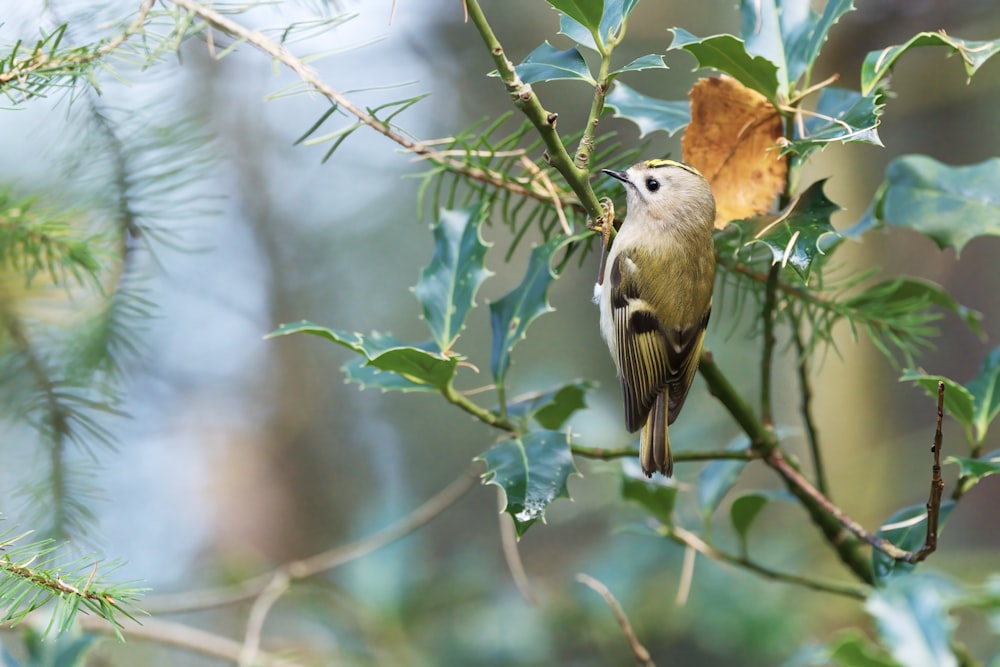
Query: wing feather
[[651, 358]]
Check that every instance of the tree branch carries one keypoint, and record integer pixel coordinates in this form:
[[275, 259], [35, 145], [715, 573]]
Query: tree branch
[[690, 455]]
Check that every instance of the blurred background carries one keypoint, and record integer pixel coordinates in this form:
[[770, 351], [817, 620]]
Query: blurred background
[[241, 453]]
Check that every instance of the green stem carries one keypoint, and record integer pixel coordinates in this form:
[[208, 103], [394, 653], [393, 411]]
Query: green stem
[[689, 539], [805, 389], [544, 121], [477, 411], [607, 454], [586, 147]]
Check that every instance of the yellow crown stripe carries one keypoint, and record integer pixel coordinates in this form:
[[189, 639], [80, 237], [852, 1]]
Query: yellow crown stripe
[[653, 164]]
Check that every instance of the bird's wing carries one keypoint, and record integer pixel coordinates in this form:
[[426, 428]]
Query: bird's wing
[[685, 350], [651, 357], [643, 351]]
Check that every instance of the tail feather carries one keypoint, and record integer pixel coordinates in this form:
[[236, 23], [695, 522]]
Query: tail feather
[[654, 450]]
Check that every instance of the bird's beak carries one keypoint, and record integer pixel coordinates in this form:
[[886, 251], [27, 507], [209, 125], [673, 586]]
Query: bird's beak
[[620, 175]]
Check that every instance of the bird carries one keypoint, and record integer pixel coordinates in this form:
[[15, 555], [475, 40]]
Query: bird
[[656, 299]]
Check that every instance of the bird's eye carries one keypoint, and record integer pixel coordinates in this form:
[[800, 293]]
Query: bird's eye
[[652, 184]]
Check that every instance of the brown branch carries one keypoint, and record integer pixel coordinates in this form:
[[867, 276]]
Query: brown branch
[[937, 487], [639, 651]]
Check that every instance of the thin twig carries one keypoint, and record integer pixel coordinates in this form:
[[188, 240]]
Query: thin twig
[[20, 69], [681, 456], [178, 635], [692, 541], [322, 562], [805, 390], [250, 652], [511, 554], [767, 355], [639, 651], [937, 486]]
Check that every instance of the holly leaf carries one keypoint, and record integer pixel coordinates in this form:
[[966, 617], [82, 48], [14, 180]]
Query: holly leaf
[[878, 64], [656, 496], [511, 315], [912, 618], [976, 468], [547, 63], [553, 407], [841, 115], [649, 113], [421, 368], [615, 12], [789, 34], [728, 54], [803, 234], [588, 13], [652, 61], [950, 205], [851, 648], [745, 509], [448, 285], [985, 390], [974, 405], [907, 529], [532, 470], [717, 478]]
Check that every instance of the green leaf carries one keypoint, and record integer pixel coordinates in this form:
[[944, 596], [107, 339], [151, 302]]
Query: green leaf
[[511, 315], [65, 650], [977, 468], [728, 54], [587, 13], [532, 470], [615, 12], [789, 34], [745, 509], [907, 529], [718, 477], [652, 61], [649, 113], [985, 390], [418, 366], [840, 115], [878, 64], [851, 648], [656, 496], [958, 401], [552, 408], [448, 285], [912, 618], [802, 235], [974, 405], [546, 63], [906, 288], [951, 205]]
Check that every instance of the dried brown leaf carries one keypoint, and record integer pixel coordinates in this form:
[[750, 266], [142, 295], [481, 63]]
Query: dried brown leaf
[[732, 139]]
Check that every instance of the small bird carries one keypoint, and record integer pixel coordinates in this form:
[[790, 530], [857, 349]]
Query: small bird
[[657, 297]]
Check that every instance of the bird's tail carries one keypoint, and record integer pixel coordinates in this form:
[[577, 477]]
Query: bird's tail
[[655, 442]]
